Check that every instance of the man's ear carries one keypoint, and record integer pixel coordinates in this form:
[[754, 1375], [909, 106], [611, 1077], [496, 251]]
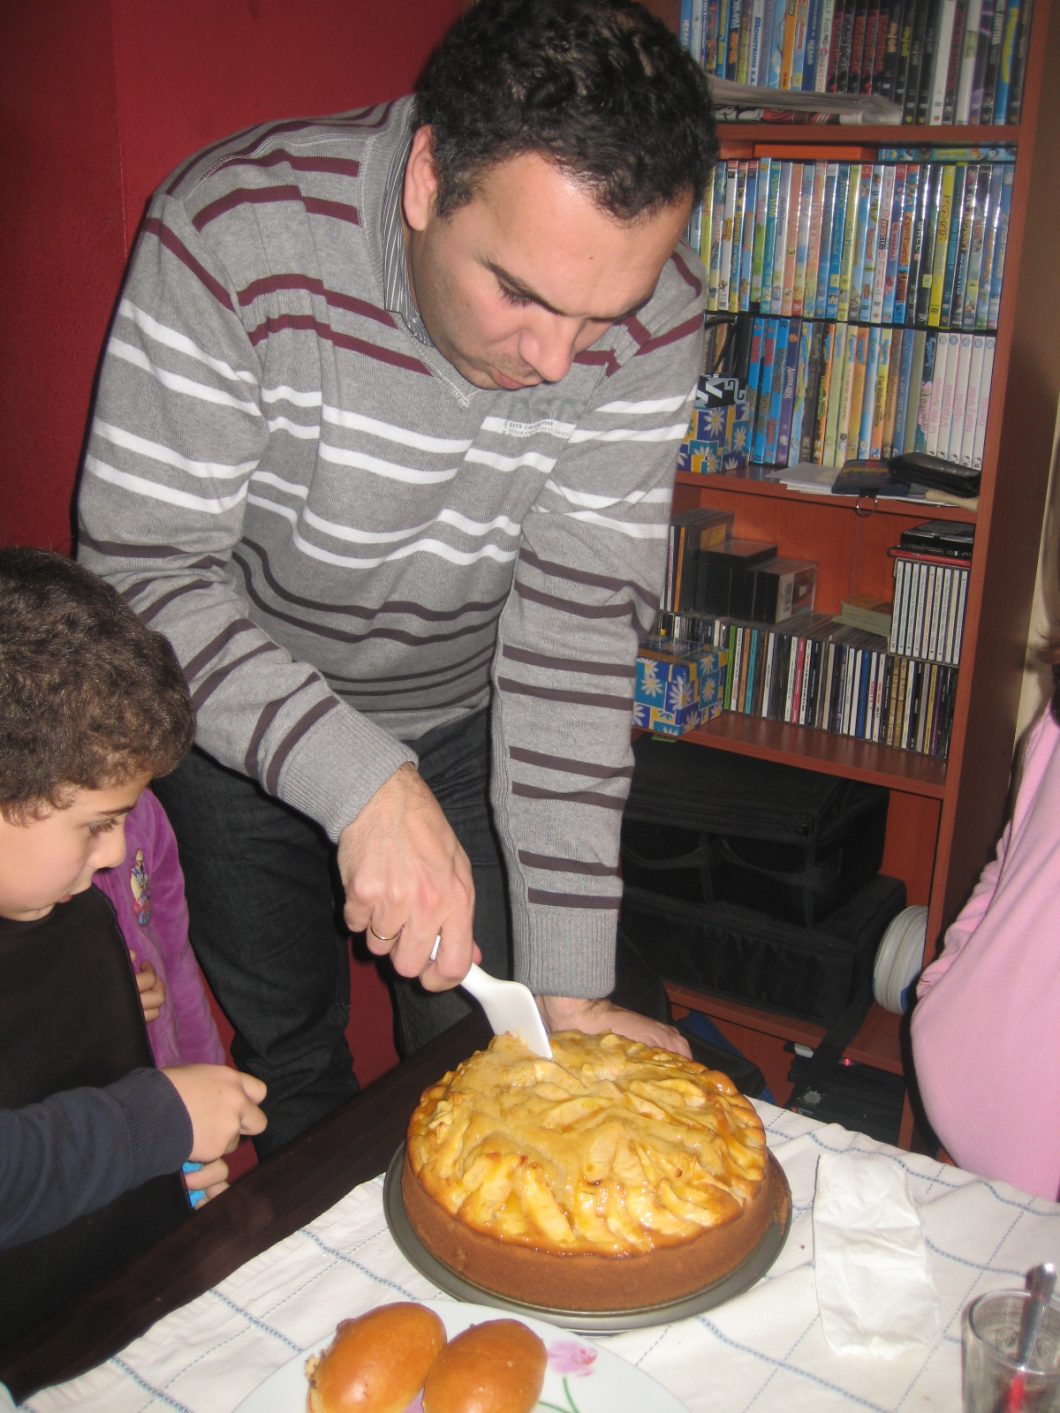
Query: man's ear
[[421, 180]]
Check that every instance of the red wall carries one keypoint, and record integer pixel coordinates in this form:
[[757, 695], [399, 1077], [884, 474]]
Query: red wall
[[99, 101]]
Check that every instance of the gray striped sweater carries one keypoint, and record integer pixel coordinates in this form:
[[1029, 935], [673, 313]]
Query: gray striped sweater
[[349, 545]]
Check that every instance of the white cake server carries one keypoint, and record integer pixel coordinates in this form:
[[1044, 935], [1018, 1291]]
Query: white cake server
[[509, 1006]]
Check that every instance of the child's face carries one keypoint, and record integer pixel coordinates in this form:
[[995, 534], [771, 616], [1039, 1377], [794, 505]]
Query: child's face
[[47, 860]]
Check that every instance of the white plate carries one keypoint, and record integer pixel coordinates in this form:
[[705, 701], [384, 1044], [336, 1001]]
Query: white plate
[[582, 1377]]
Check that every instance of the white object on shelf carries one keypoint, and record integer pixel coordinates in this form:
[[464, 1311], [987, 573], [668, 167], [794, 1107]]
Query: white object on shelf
[[899, 958]]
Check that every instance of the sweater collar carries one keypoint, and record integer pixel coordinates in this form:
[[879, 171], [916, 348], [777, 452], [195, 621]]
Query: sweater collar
[[397, 291]]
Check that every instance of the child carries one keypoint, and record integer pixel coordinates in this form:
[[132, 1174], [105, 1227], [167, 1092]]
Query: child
[[987, 1017], [92, 706], [147, 893]]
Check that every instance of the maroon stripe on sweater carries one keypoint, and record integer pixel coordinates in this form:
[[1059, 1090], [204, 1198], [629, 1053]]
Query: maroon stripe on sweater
[[275, 284], [598, 358], [577, 610], [605, 358], [576, 797], [553, 694], [582, 576], [647, 342], [337, 635], [215, 680], [177, 248], [188, 586], [490, 607], [274, 196], [287, 745], [686, 272], [571, 900], [569, 767], [269, 714], [354, 119], [280, 157], [555, 865], [198, 664], [347, 341], [477, 693], [691, 328], [425, 682], [560, 664]]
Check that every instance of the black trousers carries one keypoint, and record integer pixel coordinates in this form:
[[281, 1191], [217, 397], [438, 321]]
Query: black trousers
[[265, 903]]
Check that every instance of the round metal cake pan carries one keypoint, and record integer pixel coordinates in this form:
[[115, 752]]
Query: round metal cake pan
[[751, 1270]]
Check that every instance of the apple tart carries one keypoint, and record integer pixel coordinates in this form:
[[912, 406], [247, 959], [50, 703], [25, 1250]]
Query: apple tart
[[614, 1176]]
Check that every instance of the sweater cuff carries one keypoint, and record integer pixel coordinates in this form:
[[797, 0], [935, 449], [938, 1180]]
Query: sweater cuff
[[338, 767], [159, 1126], [568, 956]]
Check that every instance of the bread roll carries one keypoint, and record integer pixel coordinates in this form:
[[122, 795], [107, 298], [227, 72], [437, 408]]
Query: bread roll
[[495, 1367], [376, 1363]]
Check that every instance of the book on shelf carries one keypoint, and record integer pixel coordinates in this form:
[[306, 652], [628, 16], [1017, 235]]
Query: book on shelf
[[889, 250], [933, 62], [816, 671], [692, 533], [930, 596], [867, 612]]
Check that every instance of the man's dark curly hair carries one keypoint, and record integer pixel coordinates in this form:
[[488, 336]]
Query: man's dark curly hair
[[601, 88], [89, 695]]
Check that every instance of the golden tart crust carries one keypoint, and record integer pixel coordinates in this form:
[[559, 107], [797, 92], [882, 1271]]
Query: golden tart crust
[[613, 1176]]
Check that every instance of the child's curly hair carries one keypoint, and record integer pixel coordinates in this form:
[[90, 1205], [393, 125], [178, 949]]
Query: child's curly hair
[[89, 695]]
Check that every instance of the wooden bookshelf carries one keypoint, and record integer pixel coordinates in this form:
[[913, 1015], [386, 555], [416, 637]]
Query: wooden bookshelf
[[944, 818]]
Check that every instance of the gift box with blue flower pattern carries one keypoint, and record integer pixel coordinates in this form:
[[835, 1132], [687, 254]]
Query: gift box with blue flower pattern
[[679, 686], [719, 429]]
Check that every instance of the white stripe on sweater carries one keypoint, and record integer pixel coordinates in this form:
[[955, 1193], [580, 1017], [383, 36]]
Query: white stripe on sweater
[[129, 441], [647, 408], [171, 338], [435, 547], [446, 517], [661, 495], [210, 505], [627, 434], [355, 422], [176, 382], [410, 475]]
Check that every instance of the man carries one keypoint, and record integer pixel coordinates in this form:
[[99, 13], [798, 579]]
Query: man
[[384, 442]]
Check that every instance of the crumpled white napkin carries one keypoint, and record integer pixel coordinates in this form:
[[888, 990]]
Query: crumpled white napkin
[[874, 1289]]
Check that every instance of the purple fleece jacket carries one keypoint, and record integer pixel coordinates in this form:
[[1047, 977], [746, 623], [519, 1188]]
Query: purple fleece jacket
[[147, 894]]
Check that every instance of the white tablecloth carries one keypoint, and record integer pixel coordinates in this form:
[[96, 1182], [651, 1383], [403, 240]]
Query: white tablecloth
[[763, 1350]]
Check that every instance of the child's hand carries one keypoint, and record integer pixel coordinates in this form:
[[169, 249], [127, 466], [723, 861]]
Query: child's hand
[[151, 987], [208, 1180], [222, 1104]]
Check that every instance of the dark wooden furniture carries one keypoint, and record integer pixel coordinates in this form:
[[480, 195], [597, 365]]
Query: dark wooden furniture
[[276, 1199]]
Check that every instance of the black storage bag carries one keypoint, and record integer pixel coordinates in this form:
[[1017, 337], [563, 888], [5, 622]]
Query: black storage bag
[[751, 956], [709, 825], [639, 987]]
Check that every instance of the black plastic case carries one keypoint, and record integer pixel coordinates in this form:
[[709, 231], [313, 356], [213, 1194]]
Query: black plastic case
[[751, 956], [709, 826]]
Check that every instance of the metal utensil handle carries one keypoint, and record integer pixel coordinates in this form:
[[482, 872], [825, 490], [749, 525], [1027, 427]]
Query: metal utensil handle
[[1040, 1282]]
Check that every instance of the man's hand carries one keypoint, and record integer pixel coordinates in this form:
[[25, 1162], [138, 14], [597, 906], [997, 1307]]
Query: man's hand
[[223, 1105], [595, 1017], [151, 987], [407, 881]]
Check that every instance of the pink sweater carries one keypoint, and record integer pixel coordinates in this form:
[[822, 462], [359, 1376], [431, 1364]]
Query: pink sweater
[[147, 893], [986, 1027]]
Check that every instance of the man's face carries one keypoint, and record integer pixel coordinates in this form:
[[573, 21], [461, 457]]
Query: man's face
[[47, 860], [528, 273]]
